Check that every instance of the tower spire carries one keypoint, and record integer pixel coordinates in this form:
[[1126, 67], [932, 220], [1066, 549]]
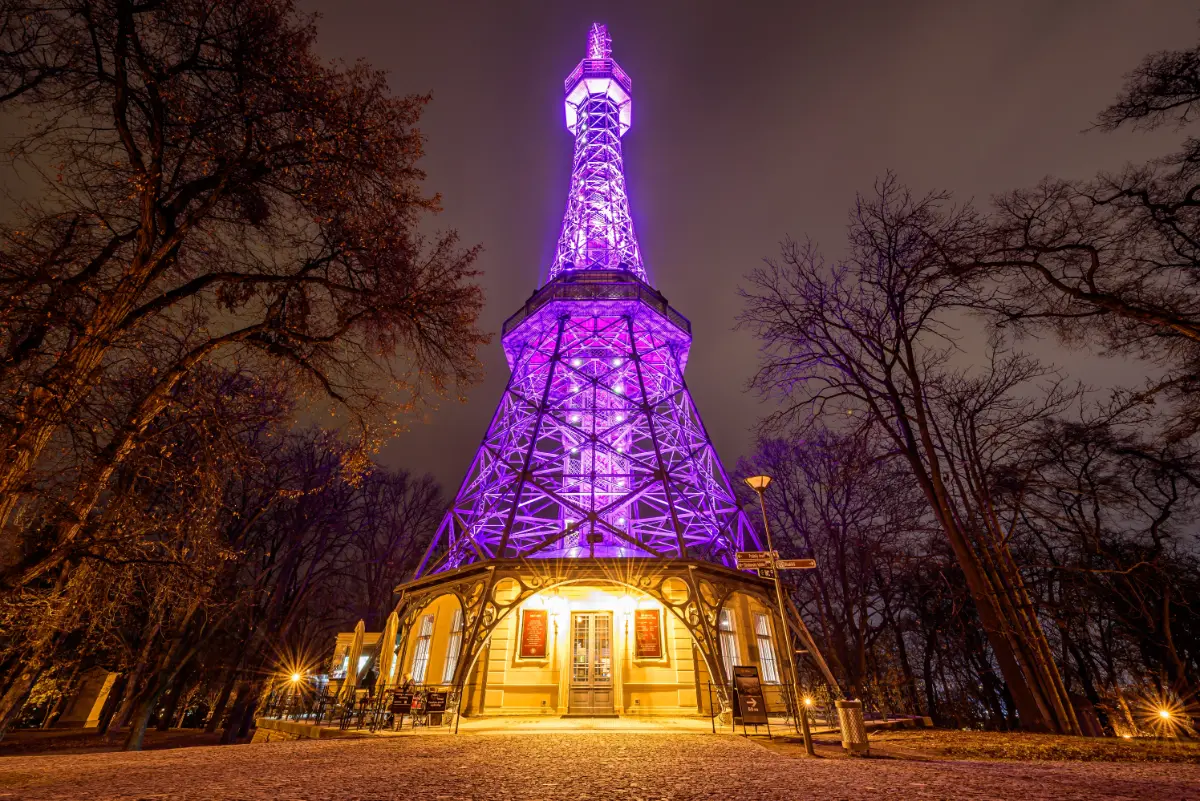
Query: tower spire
[[597, 230], [599, 42]]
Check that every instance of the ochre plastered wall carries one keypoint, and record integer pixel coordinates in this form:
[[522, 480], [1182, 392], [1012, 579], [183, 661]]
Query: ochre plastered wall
[[502, 683]]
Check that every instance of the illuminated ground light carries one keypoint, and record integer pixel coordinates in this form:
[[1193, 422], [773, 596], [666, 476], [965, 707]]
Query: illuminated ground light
[[1165, 715]]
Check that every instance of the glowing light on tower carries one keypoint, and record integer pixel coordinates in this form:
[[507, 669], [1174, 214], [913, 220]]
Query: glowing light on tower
[[596, 449]]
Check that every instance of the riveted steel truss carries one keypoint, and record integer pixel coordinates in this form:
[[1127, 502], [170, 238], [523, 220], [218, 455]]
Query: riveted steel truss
[[596, 448]]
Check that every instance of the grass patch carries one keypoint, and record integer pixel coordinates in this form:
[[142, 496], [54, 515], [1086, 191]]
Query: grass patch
[[1021, 746]]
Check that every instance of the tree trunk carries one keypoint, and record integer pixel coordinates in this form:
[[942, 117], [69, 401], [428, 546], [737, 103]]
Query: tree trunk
[[139, 720], [14, 698], [229, 679], [248, 714], [168, 712], [178, 687], [148, 699], [236, 714], [927, 674], [1019, 675], [133, 682], [182, 705], [182, 647], [115, 696]]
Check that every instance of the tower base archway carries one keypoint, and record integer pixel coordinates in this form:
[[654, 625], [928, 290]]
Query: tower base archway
[[551, 636]]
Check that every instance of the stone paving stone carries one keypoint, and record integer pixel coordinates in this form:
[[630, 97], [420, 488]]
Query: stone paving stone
[[585, 766]]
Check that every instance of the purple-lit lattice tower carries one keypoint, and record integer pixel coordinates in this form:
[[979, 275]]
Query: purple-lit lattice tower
[[596, 449]]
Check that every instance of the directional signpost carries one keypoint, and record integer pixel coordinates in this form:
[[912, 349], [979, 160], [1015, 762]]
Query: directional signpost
[[765, 562], [795, 564], [753, 560], [772, 565]]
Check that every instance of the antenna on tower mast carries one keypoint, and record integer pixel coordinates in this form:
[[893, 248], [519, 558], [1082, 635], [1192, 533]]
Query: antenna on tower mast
[[599, 43]]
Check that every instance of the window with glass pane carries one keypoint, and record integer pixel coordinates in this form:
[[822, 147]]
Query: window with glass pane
[[453, 647], [729, 649], [766, 650], [421, 655]]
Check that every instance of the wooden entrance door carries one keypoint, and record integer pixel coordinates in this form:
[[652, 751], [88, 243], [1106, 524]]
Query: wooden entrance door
[[591, 664]]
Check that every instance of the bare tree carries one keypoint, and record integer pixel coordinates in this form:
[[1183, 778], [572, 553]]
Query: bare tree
[[837, 499], [153, 551], [213, 193], [1111, 515], [1113, 261], [872, 336], [397, 515]]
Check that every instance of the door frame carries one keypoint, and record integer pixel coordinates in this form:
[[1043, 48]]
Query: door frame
[[613, 657]]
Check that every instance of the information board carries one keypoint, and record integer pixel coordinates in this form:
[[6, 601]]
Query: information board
[[402, 701], [647, 629], [750, 694], [533, 633], [435, 701]]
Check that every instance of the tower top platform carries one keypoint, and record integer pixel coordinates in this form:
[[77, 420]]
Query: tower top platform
[[598, 74]]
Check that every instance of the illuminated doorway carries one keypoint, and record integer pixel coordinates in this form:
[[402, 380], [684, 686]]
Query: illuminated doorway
[[591, 689]]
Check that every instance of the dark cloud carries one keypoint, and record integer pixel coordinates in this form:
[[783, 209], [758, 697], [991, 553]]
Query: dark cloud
[[751, 121]]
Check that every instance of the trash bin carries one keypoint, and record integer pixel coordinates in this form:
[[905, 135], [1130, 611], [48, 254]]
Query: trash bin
[[854, 732]]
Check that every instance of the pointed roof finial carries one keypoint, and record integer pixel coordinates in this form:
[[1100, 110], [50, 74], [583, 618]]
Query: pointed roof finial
[[599, 44]]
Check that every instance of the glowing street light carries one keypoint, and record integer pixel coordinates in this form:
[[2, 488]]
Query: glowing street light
[[759, 484], [296, 677], [1165, 714]]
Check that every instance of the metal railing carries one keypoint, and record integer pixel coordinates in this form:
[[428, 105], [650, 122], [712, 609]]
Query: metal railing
[[597, 285], [363, 710], [598, 68]]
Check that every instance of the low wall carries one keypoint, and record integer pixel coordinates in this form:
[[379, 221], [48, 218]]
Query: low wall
[[269, 729]]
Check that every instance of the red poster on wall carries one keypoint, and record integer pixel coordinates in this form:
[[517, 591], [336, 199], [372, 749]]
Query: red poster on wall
[[533, 633], [647, 627]]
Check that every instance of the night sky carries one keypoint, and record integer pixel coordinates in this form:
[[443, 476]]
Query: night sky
[[751, 121]]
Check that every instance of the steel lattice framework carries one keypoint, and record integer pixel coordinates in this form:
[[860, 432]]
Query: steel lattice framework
[[596, 449]]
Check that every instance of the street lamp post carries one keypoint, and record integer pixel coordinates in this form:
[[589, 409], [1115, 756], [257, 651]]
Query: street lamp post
[[759, 485]]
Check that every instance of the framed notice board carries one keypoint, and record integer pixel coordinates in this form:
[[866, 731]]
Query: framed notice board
[[749, 694], [534, 624], [647, 632]]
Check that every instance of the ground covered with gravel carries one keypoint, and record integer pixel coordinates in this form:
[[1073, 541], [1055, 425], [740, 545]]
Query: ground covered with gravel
[[564, 766]]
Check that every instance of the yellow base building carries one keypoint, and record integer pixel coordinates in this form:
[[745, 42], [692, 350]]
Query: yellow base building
[[579, 637]]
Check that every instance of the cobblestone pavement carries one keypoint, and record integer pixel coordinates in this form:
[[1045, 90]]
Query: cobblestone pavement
[[563, 766]]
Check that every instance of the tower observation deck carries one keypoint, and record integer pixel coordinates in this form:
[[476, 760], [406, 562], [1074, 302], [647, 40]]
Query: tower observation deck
[[596, 449]]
